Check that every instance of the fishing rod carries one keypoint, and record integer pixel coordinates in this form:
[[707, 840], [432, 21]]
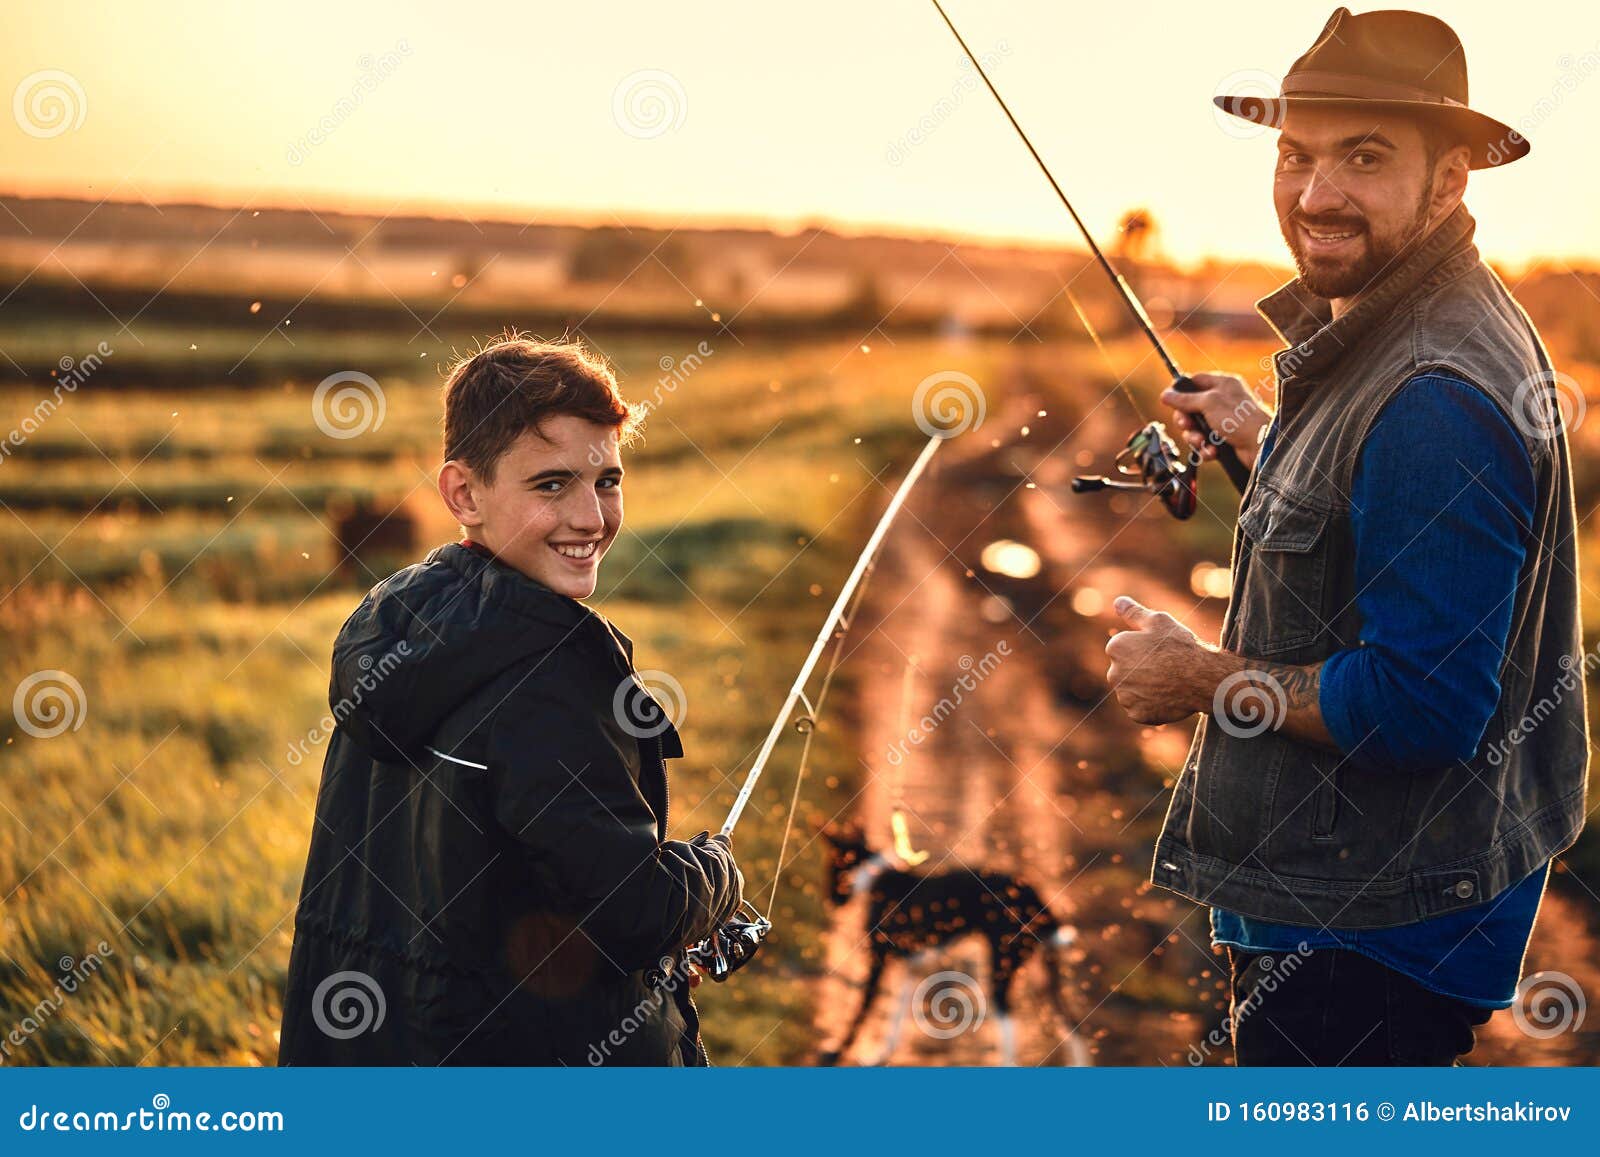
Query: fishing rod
[[735, 942], [1150, 452]]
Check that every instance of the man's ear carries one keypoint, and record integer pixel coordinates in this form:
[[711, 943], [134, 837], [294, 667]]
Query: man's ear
[[458, 486], [1450, 180]]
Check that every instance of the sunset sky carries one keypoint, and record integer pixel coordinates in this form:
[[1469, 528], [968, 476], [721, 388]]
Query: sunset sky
[[860, 114]]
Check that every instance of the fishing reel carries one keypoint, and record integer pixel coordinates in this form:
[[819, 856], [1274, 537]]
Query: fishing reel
[[731, 946], [1161, 467]]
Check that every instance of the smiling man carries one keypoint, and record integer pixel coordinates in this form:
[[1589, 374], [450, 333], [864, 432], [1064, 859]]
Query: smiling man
[[490, 880], [1394, 742]]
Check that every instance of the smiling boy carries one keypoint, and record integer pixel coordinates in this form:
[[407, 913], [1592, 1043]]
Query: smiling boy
[[489, 879]]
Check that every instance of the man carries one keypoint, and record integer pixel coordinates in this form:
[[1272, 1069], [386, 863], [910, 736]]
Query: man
[[1395, 740]]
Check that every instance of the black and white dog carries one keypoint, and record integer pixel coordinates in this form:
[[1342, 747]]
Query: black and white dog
[[909, 916]]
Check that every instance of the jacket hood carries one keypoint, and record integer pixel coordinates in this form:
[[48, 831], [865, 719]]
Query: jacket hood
[[428, 637]]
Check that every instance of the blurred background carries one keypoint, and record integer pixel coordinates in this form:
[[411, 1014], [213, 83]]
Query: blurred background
[[240, 247]]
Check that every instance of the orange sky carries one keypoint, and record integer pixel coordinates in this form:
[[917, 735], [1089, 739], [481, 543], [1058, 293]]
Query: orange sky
[[848, 111]]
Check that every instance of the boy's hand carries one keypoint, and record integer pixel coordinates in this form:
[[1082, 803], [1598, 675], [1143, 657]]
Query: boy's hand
[[1229, 407]]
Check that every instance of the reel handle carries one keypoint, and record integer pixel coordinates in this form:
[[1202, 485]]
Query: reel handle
[[1238, 473], [729, 948]]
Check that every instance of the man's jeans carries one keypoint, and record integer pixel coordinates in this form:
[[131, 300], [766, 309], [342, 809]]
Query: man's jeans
[[1335, 1007]]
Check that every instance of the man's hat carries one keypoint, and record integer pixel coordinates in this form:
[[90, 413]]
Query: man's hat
[[1403, 61]]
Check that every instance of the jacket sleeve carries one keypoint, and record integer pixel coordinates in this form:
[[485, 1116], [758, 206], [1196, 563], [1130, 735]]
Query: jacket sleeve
[[1440, 539], [563, 790]]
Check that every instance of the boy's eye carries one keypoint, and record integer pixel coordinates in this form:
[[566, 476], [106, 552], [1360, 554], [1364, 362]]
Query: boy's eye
[[548, 486], [609, 484]]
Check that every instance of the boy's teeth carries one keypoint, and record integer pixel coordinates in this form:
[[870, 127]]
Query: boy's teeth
[[583, 551]]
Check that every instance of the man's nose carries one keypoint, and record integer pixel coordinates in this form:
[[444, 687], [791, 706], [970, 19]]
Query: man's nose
[[1321, 195]]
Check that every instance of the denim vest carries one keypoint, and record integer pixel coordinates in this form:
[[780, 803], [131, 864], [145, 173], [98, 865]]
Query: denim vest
[[1271, 827]]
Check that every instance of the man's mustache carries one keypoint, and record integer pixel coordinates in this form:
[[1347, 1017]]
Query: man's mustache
[[1328, 222]]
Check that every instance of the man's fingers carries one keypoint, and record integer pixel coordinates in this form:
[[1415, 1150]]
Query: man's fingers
[[1134, 613], [1188, 401]]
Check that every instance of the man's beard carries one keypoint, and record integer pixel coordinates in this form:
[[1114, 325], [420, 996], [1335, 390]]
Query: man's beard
[[1347, 277]]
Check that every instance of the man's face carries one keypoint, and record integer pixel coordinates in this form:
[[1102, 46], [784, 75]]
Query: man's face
[[555, 505], [1351, 188]]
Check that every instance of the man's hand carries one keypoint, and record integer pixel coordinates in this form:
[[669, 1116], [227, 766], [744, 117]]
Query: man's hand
[[1229, 407], [1154, 665]]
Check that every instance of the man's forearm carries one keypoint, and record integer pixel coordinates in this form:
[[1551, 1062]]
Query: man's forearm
[[1259, 695]]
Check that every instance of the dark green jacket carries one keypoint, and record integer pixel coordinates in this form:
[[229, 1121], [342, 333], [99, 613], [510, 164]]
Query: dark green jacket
[[489, 879]]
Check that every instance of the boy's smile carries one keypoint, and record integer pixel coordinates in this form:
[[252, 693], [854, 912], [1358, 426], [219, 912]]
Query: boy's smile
[[554, 507]]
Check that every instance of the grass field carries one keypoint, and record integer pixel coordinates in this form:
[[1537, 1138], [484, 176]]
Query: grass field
[[174, 553]]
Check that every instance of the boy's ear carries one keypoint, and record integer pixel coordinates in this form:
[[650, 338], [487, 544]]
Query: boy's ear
[[458, 488]]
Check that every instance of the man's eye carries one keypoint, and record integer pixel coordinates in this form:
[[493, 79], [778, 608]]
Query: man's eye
[[1364, 160], [610, 483]]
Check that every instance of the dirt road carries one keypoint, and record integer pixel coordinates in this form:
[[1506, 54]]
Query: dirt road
[[1032, 772]]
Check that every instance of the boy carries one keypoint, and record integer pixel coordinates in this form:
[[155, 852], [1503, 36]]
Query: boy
[[490, 880]]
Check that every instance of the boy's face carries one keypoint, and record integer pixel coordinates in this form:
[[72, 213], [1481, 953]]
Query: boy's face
[[555, 504]]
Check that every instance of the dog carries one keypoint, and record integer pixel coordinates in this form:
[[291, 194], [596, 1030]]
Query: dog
[[909, 916]]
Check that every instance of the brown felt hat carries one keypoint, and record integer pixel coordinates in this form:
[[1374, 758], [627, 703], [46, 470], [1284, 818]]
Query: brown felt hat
[[1403, 61]]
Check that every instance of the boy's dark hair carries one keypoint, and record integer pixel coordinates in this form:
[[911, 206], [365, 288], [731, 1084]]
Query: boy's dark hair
[[514, 384]]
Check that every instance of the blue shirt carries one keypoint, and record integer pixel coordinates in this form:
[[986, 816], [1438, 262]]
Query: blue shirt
[[1441, 508]]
